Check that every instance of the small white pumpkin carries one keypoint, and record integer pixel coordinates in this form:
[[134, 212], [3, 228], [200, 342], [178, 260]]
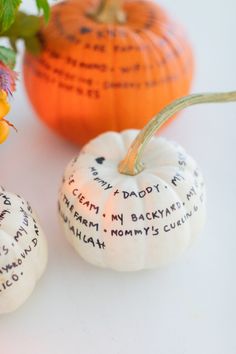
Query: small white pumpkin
[[127, 215], [131, 222], [23, 251]]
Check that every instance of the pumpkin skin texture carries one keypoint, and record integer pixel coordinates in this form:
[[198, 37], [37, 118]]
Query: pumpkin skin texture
[[129, 223], [92, 77], [23, 251]]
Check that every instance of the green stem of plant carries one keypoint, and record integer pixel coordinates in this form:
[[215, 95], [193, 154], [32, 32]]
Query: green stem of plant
[[110, 11], [132, 163]]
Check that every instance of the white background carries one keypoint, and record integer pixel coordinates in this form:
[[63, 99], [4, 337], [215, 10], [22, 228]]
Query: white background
[[186, 308]]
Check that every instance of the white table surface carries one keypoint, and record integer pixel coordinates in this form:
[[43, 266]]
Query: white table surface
[[187, 308]]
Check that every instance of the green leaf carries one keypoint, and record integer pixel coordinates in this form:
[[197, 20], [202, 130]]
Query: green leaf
[[24, 26], [7, 13], [43, 5], [7, 56], [33, 45]]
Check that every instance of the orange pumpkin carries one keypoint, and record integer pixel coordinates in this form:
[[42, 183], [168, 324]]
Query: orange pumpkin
[[106, 65]]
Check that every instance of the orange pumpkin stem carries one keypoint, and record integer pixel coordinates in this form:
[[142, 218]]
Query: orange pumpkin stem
[[110, 11], [132, 164]]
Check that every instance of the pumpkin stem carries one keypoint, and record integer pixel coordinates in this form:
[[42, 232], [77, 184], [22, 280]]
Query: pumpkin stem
[[110, 11], [132, 165]]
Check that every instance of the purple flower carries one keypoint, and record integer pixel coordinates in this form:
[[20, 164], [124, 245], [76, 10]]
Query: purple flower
[[7, 79]]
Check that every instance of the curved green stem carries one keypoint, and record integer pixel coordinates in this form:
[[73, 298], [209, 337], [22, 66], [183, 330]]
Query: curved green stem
[[110, 11], [132, 165]]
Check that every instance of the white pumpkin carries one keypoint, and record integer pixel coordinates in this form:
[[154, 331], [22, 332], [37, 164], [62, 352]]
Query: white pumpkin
[[23, 251], [137, 209], [129, 205], [130, 223]]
